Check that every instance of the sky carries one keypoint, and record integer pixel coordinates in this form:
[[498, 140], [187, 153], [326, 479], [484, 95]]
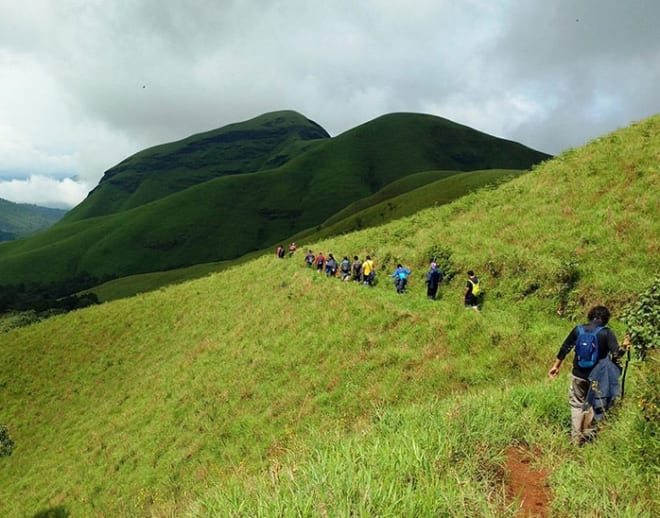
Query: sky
[[87, 83]]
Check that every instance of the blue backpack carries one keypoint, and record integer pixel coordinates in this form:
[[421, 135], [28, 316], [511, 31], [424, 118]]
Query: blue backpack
[[586, 347]]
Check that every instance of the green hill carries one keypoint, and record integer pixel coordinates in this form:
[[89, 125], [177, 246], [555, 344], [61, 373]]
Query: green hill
[[396, 200], [198, 213], [18, 220], [264, 142], [270, 390]]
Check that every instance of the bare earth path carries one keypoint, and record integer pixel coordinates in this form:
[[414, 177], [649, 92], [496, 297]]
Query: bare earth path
[[526, 485]]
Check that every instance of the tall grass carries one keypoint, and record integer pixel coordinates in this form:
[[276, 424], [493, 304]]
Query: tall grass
[[269, 389]]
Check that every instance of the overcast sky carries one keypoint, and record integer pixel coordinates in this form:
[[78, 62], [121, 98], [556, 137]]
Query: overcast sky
[[86, 83]]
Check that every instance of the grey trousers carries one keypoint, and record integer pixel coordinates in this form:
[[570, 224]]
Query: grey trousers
[[582, 415]]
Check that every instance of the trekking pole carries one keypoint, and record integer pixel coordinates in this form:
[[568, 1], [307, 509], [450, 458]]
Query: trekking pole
[[628, 345]]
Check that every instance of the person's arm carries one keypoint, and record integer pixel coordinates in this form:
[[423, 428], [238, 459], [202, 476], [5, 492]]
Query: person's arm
[[565, 348], [555, 368]]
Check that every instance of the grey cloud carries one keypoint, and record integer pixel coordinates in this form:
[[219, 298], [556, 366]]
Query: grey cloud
[[121, 76]]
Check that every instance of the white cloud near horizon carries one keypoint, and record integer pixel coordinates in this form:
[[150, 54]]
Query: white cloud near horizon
[[45, 191], [84, 84]]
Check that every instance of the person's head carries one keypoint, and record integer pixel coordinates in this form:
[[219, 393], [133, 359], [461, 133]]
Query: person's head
[[399, 265], [355, 258], [368, 258], [433, 265], [345, 258], [599, 314], [470, 273]]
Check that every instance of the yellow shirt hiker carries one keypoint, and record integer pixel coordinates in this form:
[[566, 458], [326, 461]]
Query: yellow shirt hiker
[[368, 271]]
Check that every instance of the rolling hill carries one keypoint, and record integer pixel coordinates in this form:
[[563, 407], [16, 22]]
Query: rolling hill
[[271, 390], [19, 220], [222, 194]]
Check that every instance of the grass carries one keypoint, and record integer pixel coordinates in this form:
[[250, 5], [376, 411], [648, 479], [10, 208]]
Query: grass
[[270, 390]]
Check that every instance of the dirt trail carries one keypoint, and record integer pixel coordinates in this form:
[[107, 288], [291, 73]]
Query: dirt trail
[[526, 485]]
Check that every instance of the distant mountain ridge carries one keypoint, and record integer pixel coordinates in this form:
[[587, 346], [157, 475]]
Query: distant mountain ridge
[[221, 194], [19, 220]]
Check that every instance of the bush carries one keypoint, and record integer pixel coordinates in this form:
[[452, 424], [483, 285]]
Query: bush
[[6, 444], [641, 319]]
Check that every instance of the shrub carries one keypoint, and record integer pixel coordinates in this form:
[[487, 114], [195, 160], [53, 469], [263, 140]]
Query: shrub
[[641, 319], [6, 444]]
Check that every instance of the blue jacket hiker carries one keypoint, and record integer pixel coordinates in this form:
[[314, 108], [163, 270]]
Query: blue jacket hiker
[[400, 277]]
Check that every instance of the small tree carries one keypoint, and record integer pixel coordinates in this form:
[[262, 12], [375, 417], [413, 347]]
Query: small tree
[[6, 444], [641, 319]]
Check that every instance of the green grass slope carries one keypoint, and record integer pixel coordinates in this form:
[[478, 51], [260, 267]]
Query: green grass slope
[[375, 212], [271, 390], [230, 215], [369, 212], [21, 219]]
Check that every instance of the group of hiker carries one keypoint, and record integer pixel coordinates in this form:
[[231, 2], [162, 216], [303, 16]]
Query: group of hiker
[[594, 379], [364, 272], [357, 270]]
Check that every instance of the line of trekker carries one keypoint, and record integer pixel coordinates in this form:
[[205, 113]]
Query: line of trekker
[[364, 272]]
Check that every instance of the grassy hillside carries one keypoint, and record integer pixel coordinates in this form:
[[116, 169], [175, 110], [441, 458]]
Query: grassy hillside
[[384, 206], [232, 214], [271, 390], [22, 219], [369, 212]]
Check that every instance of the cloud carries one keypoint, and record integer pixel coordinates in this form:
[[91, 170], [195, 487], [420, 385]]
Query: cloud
[[44, 191], [86, 84]]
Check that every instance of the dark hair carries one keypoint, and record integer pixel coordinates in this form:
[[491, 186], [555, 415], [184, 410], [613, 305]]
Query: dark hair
[[470, 273], [600, 313], [355, 257]]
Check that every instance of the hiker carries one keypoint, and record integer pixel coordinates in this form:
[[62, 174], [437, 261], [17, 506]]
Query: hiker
[[331, 266], [309, 259], [400, 277], [319, 261], [280, 251], [345, 268], [292, 249], [368, 271], [433, 279], [589, 357], [357, 269], [472, 291]]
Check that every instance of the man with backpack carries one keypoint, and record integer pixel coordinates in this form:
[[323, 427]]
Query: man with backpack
[[345, 268], [368, 271], [592, 343], [433, 279], [472, 291], [400, 277], [357, 269], [331, 266], [319, 261]]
